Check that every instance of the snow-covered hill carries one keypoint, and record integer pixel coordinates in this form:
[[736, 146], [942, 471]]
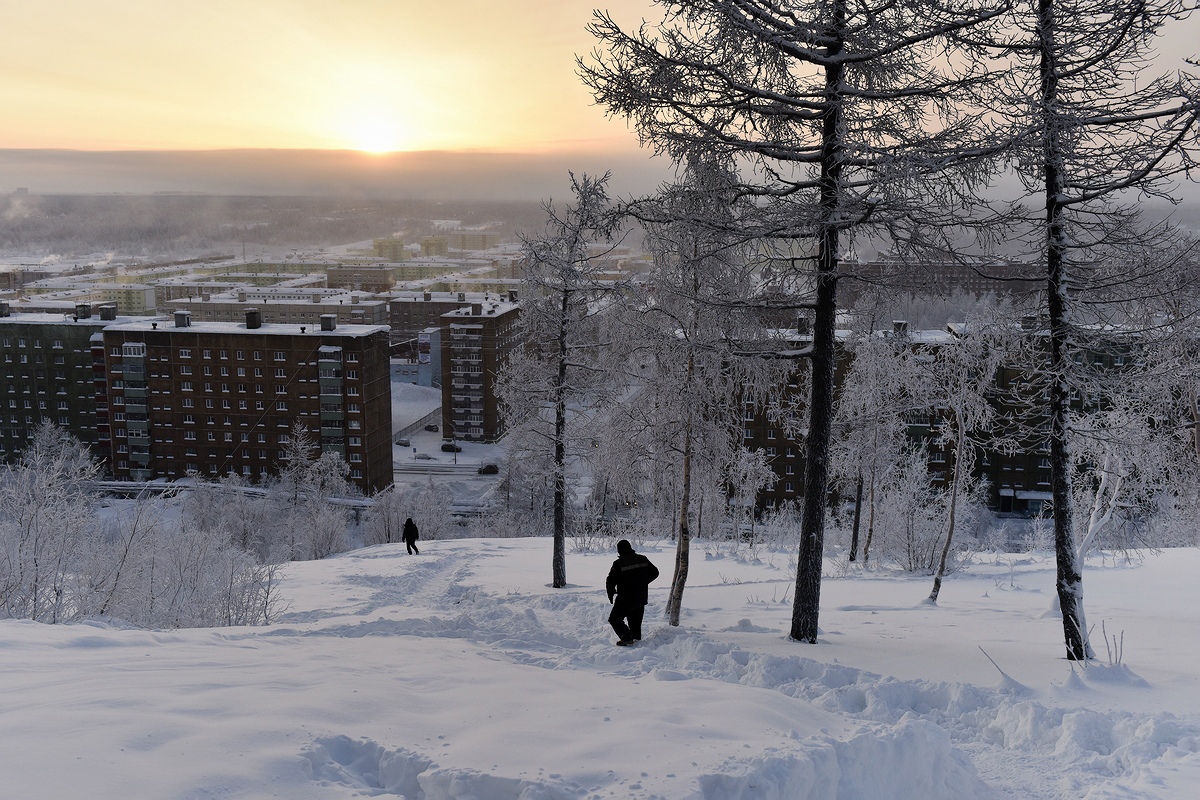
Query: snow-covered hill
[[460, 673]]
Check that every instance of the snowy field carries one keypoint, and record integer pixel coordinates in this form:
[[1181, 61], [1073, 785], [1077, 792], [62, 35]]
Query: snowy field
[[459, 673]]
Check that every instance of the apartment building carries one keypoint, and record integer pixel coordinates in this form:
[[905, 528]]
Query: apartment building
[[214, 398], [371, 279], [47, 365], [476, 343], [286, 306]]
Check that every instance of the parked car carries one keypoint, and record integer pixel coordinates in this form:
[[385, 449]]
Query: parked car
[[431, 428], [489, 469], [451, 447], [403, 442], [423, 456]]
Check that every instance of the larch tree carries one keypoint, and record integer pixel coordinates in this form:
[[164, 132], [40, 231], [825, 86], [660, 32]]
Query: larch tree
[[958, 376], [564, 290], [842, 117], [697, 313], [1092, 132], [872, 425]]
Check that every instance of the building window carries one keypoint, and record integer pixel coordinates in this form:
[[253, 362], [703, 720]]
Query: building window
[[356, 457], [189, 402], [241, 356], [185, 352], [281, 405], [207, 354], [352, 357], [279, 373], [186, 386], [356, 473], [280, 355], [189, 436], [258, 355]]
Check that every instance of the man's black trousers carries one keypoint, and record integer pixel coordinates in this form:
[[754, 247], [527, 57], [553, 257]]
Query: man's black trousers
[[632, 612]]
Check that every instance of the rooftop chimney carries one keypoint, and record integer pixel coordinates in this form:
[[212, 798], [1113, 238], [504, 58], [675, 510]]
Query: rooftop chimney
[[328, 322], [83, 310], [4, 310], [241, 295], [316, 298], [108, 313], [428, 296], [253, 319], [476, 309], [183, 319]]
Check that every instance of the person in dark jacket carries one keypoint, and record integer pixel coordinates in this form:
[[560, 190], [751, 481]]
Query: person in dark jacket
[[628, 579], [410, 536]]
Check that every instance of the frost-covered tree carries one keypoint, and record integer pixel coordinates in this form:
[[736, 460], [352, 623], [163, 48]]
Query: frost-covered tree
[[687, 383], [958, 375], [46, 523], [872, 425], [564, 290], [1091, 131], [308, 524], [842, 116]]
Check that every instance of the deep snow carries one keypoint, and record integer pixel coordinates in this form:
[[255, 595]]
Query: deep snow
[[460, 673]]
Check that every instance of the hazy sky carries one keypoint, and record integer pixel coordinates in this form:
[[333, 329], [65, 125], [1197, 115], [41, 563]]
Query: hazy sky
[[494, 77], [340, 74]]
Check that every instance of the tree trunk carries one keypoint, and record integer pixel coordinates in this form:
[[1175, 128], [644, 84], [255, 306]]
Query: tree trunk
[[683, 544], [858, 491], [959, 448], [1069, 582], [807, 603], [560, 453]]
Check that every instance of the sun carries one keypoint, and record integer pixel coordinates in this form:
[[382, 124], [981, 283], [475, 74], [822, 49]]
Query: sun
[[377, 135]]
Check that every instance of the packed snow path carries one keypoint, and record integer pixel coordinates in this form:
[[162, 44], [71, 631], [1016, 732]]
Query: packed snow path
[[460, 673]]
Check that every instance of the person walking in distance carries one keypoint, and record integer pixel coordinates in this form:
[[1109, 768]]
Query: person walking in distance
[[628, 579], [410, 536]]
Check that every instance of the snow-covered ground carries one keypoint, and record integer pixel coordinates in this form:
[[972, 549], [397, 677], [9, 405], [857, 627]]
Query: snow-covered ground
[[460, 673]]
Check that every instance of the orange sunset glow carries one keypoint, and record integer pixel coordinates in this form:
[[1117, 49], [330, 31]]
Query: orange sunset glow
[[354, 75]]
